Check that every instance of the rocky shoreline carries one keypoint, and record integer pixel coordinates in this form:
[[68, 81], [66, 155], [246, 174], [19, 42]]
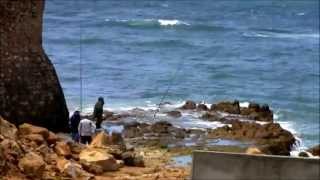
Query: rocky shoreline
[[128, 148]]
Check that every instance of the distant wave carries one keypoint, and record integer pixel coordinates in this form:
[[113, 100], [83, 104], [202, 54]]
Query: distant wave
[[166, 23], [148, 22], [278, 33]]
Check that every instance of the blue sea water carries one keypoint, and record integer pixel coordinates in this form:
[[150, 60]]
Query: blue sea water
[[132, 51]]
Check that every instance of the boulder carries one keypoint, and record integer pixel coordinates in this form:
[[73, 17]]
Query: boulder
[[131, 159], [37, 138], [228, 107], [52, 138], [315, 151], [62, 149], [254, 150], [26, 129], [98, 158], [212, 116], [32, 165], [175, 114], [189, 105], [271, 138], [101, 140], [29, 89], [303, 154], [202, 107], [72, 169], [7, 129]]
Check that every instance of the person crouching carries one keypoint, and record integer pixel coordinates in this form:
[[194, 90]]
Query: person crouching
[[86, 130]]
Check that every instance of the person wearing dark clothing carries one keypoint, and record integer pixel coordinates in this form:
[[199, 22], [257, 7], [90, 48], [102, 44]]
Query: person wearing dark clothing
[[98, 111], [74, 123]]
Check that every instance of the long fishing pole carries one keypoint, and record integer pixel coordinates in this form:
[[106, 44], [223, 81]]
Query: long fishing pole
[[180, 65]]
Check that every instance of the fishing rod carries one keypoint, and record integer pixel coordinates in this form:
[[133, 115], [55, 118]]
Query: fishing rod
[[180, 65]]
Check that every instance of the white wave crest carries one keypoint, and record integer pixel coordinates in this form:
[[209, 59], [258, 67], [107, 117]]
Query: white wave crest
[[166, 22]]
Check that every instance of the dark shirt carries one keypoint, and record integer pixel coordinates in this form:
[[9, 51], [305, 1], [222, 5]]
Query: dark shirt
[[98, 110], [74, 121]]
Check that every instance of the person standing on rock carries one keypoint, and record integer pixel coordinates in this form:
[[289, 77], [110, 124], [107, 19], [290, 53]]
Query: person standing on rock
[[74, 124], [86, 130], [98, 111]]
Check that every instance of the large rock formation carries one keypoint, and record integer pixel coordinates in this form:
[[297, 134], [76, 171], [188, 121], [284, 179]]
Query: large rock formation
[[29, 88]]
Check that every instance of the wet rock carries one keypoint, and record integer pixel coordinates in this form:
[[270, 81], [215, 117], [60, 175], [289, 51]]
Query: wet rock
[[271, 137], [212, 116], [303, 154], [175, 114], [62, 149], [189, 105], [7, 129], [228, 107], [315, 151], [99, 158], [202, 107], [108, 114], [255, 112], [32, 165], [26, 129]]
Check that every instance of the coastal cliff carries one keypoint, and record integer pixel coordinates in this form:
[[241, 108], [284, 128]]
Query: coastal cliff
[[29, 87]]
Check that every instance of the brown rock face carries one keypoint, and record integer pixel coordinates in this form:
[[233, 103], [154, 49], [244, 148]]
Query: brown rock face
[[29, 88], [315, 150], [271, 138]]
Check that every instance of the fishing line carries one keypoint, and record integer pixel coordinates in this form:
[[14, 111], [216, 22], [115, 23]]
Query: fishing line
[[180, 65]]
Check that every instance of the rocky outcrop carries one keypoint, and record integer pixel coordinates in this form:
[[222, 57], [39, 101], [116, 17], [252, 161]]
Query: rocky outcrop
[[315, 151], [29, 88], [189, 105], [271, 138], [257, 112], [228, 107]]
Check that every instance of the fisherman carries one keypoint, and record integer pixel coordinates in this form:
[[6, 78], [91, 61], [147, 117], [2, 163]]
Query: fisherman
[[98, 111], [86, 130], [74, 124]]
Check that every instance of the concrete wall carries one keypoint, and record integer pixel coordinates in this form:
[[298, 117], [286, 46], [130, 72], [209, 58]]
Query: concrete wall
[[230, 166]]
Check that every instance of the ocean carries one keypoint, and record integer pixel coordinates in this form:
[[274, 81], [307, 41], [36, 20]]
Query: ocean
[[137, 53]]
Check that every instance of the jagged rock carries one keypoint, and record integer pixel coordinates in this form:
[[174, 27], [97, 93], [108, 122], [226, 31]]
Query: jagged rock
[[271, 137], [37, 138], [62, 149], [52, 138], [26, 71], [101, 140], [32, 165], [7, 129], [315, 151], [26, 129], [189, 105], [99, 158], [175, 114], [228, 107], [202, 107], [72, 169], [255, 112]]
